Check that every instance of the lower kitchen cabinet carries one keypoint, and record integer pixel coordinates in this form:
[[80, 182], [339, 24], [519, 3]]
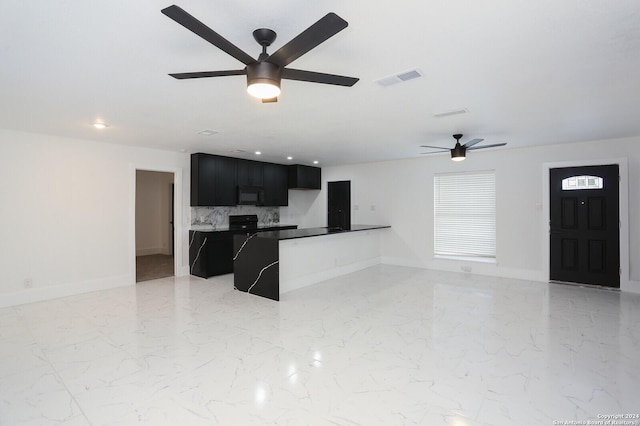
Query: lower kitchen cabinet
[[211, 252]]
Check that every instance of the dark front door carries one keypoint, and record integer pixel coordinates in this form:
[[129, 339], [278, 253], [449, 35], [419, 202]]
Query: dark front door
[[584, 227], [339, 203]]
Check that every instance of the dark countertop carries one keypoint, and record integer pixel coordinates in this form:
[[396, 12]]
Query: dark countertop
[[211, 228], [291, 234]]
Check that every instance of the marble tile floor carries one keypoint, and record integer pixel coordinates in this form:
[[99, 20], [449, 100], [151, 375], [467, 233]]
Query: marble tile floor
[[383, 346]]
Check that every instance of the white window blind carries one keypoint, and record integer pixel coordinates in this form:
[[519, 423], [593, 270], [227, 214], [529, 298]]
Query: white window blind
[[465, 214]]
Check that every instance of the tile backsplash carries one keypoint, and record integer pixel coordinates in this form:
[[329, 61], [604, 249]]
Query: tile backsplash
[[218, 217]]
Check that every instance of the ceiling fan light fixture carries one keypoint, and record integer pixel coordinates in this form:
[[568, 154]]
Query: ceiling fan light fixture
[[265, 72], [458, 153], [263, 90], [263, 80]]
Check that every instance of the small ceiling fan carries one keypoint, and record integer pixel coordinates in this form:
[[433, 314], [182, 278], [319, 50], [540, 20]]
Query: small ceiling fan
[[458, 152], [264, 74]]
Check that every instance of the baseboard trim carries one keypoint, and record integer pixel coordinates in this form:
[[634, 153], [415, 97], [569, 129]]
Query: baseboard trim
[[183, 271], [53, 292], [450, 265], [630, 286]]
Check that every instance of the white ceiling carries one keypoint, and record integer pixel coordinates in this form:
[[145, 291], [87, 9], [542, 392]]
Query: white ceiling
[[528, 71]]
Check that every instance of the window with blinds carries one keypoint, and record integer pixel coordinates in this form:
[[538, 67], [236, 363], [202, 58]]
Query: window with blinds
[[465, 214]]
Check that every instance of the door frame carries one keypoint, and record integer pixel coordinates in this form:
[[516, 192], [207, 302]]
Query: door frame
[[177, 218], [623, 192]]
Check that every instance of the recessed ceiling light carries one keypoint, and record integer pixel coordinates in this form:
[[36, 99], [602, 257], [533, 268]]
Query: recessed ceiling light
[[315, 162], [289, 158], [258, 153], [99, 125]]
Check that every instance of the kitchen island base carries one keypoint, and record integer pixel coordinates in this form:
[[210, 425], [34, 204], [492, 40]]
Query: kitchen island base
[[273, 263]]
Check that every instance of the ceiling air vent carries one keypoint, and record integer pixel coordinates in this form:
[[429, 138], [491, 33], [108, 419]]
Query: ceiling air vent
[[399, 78], [452, 112]]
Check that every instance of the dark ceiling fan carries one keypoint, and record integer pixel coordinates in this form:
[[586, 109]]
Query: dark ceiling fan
[[458, 152], [264, 74]]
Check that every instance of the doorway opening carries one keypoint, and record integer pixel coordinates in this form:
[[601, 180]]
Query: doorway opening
[[339, 204], [584, 225], [154, 229]]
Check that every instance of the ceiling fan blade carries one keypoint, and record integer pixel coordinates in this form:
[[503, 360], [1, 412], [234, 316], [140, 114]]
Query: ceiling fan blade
[[204, 74], [318, 77], [325, 28], [192, 24], [487, 146], [435, 152], [472, 142], [435, 147], [269, 100]]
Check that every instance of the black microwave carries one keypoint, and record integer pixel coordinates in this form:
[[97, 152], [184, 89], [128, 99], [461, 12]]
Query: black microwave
[[250, 195]]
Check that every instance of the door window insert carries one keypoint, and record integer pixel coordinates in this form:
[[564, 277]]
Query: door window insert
[[582, 182]]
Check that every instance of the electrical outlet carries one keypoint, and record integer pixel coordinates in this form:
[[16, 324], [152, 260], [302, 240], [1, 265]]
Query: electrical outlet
[[28, 283], [373, 207]]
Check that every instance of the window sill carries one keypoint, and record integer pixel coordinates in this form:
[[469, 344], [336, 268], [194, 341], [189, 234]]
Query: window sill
[[467, 258]]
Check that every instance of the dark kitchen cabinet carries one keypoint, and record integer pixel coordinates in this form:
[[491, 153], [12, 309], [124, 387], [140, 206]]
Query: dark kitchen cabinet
[[203, 169], [211, 252], [304, 177], [225, 184], [250, 173], [276, 188], [213, 180]]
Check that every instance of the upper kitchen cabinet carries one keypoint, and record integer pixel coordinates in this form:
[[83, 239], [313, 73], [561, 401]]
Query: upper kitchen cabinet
[[276, 189], [213, 180], [203, 169], [250, 173], [304, 177]]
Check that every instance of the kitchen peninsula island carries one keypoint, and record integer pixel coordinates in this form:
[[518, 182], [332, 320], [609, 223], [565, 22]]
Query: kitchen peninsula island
[[269, 264]]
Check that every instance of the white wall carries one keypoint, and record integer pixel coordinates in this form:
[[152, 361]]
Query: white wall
[[67, 209], [400, 193], [305, 208], [66, 214], [153, 205]]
